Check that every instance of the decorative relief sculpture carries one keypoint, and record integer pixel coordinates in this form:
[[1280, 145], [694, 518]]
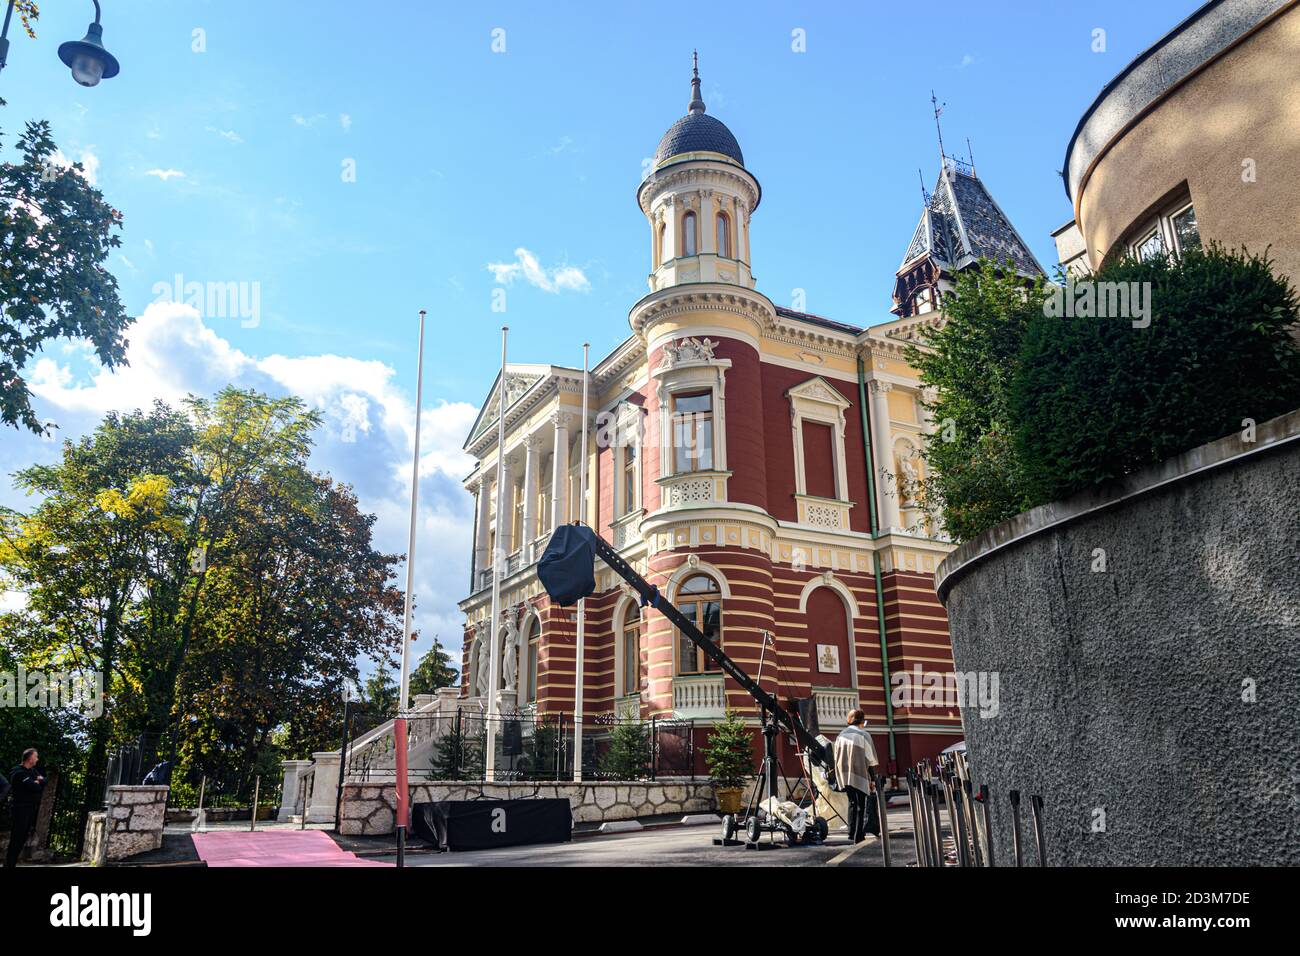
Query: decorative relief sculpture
[[688, 351]]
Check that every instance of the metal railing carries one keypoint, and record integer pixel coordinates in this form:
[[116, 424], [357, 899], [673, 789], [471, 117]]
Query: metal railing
[[535, 747]]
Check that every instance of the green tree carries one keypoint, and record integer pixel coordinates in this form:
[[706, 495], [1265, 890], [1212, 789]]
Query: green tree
[[56, 233], [974, 477], [728, 752], [380, 692], [222, 589], [628, 757], [435, 670], [1096, 398], [83, 558]]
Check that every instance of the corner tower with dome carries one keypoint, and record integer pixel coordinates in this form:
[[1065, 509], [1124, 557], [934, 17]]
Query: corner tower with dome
[[752, 461]]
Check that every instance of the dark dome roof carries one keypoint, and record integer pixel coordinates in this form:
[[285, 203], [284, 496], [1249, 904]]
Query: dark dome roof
[[698, 132]]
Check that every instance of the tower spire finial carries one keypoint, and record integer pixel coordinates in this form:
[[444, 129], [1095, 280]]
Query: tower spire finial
[[938, 110], [697, 101]]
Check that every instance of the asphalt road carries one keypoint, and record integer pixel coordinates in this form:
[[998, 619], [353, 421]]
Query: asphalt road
[[683, 846]]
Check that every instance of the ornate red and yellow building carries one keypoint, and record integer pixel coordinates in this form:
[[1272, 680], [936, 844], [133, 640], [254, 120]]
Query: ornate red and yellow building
[[750, 460]]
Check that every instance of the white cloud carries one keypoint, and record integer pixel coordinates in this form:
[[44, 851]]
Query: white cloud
[[345, 121], [966, 61], [308, 121], [165, 174], [229, 134], [89, 164], [559, 279], [366, 437]]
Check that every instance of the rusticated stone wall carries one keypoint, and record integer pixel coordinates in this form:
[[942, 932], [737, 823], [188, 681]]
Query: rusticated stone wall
[[369, 808]]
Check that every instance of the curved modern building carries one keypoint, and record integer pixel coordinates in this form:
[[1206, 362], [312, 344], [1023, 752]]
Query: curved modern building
[[1198, 139]]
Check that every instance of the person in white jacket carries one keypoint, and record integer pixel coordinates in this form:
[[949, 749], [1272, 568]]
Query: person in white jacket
[[855, 763]]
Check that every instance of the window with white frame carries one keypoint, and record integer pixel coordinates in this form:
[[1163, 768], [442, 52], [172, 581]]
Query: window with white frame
[[1174, 231], [818, 403], [692, 430], [688, 234], [630, 648]]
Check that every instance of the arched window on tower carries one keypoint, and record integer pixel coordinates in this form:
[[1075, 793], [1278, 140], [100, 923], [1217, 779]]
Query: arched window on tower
[[724, 235], [924, 301], [688, 234], [664, 253], [700, 600]]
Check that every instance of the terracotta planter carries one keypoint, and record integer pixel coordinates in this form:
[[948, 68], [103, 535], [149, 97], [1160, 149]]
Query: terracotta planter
[[729, 798]]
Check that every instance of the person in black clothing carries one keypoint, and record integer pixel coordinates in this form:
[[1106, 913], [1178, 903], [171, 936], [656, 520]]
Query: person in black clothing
[[27, 784]]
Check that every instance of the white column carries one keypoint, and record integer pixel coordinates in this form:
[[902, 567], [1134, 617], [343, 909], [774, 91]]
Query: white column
[[883, 453], [531, 453], [560, 470], [708, 224], [289, 787], [325, 787], [506, 515], [484, 503], [672, 222]]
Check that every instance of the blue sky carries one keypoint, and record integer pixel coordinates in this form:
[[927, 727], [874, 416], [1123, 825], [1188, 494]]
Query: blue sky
[[229, 166]]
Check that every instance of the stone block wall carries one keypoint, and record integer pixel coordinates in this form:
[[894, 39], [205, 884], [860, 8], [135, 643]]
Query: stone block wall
[[369, 808], [1155, 704], [132, 823]]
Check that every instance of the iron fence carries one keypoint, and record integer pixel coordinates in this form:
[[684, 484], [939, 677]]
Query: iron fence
[[529, 748]]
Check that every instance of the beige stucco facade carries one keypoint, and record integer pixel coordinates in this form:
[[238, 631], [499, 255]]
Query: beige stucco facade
[[1219, 118]]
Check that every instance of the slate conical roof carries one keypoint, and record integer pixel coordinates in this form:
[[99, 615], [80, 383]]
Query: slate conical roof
[[962, 223]]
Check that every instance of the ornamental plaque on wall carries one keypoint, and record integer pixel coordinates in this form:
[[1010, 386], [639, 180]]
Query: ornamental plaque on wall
[[828, 659]]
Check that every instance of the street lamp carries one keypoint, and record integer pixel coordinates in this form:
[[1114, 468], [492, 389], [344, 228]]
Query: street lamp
[[87, 58]]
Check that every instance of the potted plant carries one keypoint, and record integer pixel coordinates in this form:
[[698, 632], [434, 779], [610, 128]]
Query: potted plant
[[730, 760]]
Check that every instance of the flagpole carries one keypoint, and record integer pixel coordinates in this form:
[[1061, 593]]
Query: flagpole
[[582, 602], [498, 561], [404, 685]]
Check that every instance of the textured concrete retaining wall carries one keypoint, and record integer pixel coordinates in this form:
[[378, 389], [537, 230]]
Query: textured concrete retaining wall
[[1122, 691], [135, 817], [368, 808]]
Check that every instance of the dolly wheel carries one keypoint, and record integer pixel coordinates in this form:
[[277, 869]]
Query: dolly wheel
[[728, 827], [753, 829], [820, 830]]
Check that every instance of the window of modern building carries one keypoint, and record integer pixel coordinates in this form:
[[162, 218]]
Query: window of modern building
[[1186, 231], [724, 235], [692, 432], [1150, 246], [688, 234], [700, 600], [1173, 230], [631, 649]]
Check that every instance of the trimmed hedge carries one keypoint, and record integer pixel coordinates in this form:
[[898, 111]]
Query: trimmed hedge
[[1092, 399]]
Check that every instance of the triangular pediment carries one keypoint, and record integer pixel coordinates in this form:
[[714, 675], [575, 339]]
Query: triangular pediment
[[519, 380], [817, 389]]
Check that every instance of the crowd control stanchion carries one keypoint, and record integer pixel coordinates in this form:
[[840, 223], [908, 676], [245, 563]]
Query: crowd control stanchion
[[883, 814], [1015, 828], [1036, 808], [257, 793], [936, 829], [988, 825]]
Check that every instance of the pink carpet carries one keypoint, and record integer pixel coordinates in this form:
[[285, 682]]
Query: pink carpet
[[274, 848]]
